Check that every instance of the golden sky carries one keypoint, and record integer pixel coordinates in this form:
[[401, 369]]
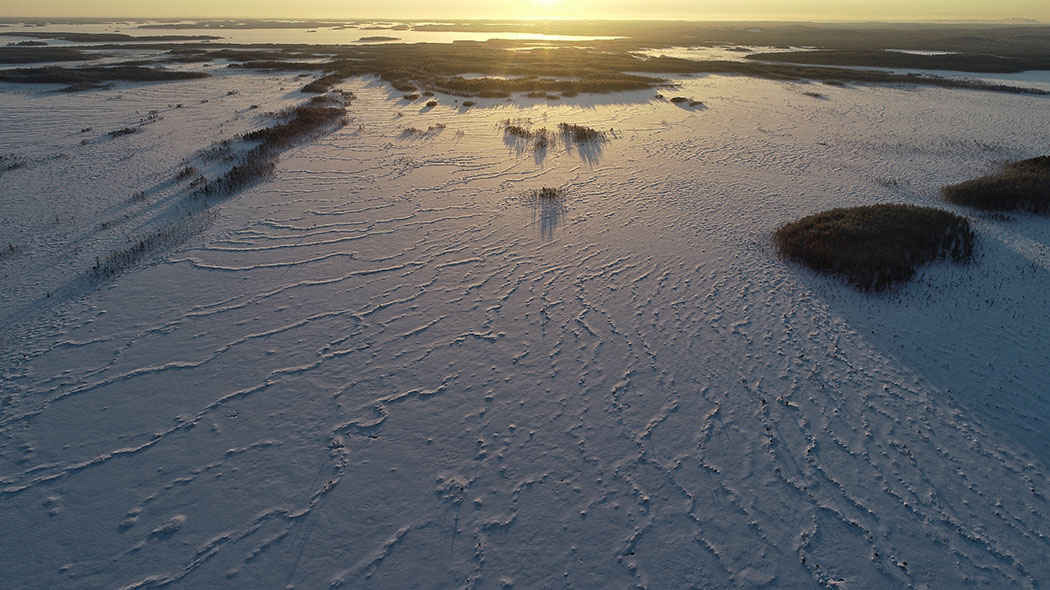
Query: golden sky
[[590, 9]]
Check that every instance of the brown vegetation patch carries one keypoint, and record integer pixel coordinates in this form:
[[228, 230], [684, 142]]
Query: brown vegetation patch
[[1018, 186], [876, 246]]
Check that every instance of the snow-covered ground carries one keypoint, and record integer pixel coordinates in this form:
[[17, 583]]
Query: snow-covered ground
[[389, 367]]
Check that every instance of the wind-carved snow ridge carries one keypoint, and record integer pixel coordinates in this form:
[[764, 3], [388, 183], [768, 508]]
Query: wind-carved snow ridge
[[381, 369]]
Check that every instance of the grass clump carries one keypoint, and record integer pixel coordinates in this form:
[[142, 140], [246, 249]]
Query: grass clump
[[417, 132], [1018, 186], [876, 246], [581, 134], [322, 84], [689, 102], [10, 162], [542, 139], [517, 131], [547, 193], [123, 131]]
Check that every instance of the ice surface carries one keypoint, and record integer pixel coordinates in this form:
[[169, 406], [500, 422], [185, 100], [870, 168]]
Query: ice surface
[[388, 368], [323, 35]]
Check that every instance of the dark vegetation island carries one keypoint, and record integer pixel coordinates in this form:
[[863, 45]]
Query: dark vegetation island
[[958, 62], [1018, 186], [89, 78], [31, 54], [107, 37], [497, 69], [875, 247]]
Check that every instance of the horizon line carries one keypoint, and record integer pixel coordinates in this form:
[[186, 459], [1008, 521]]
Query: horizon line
[[1005, 20]]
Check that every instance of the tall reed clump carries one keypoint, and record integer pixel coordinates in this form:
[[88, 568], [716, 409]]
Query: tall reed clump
[[581, 134], [876, 246], [1018, 186], [547, 194], [540, 139]]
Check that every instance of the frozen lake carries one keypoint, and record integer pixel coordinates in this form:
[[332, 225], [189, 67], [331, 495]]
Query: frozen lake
[[391, 366], [307, 35]]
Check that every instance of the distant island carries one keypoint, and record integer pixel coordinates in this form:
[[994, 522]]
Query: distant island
[[107, 37]]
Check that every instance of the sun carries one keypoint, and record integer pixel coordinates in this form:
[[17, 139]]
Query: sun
[[544, 9]]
